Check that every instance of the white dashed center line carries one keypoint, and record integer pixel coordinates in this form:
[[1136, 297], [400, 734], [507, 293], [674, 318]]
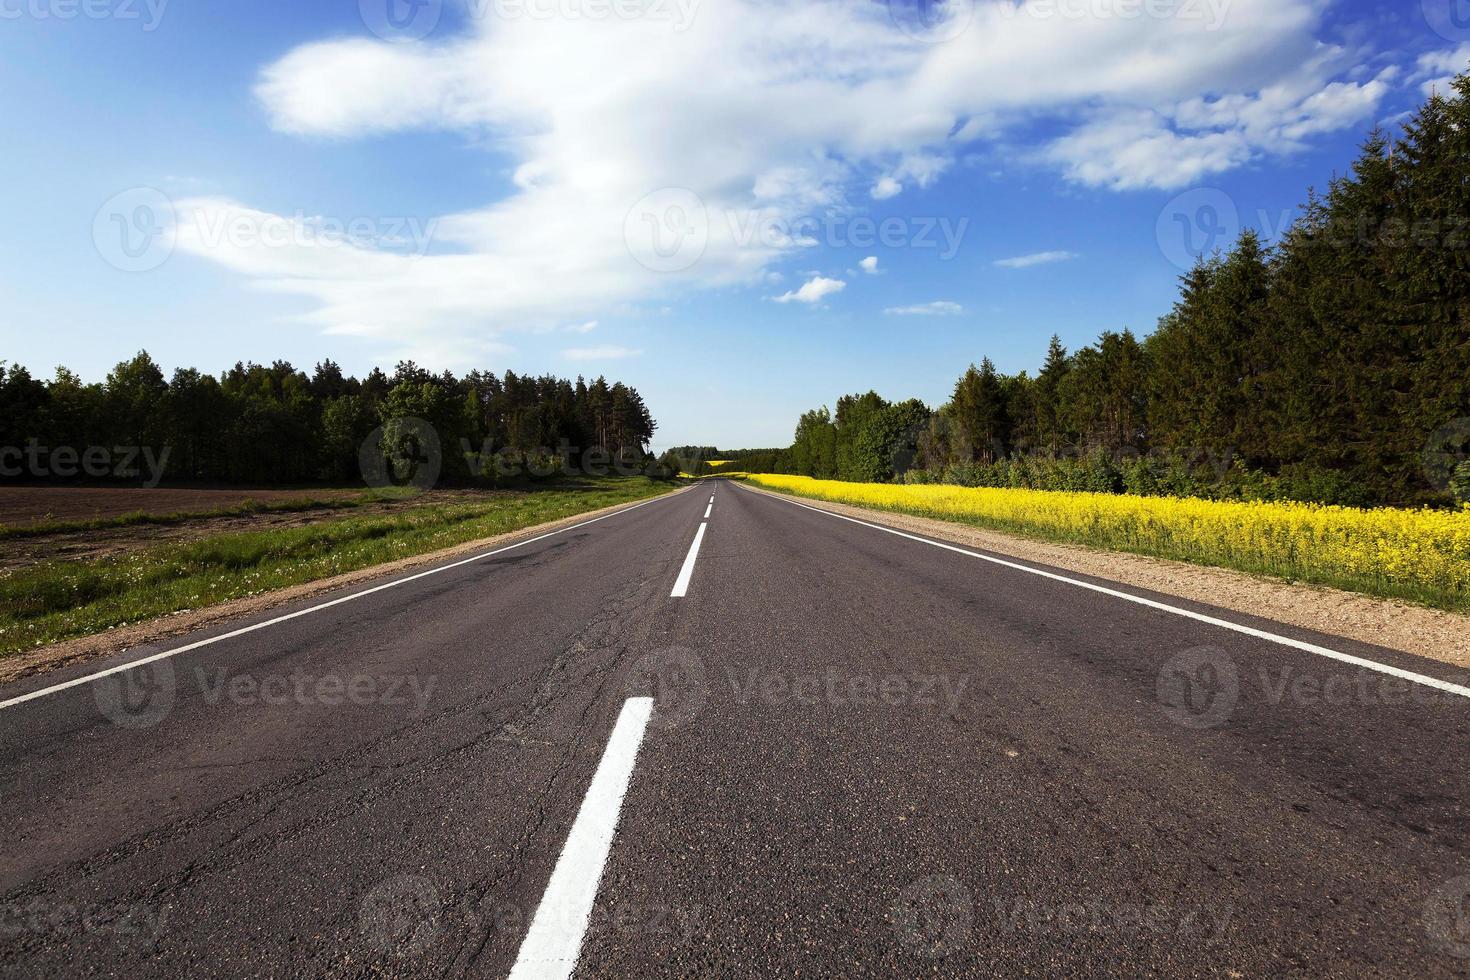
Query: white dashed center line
[[681, 586], [554, 941]]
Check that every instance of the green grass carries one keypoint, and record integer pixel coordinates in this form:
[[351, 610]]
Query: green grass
[[57, 600]]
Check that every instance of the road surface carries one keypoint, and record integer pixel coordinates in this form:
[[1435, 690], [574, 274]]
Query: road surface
[[800, 746]]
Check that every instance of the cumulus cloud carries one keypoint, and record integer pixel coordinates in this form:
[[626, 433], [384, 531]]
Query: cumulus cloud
[[813, 291], [1036, 258], [869, 264], [1134, 149], [939, 307], [622, 127], [1175, 146]]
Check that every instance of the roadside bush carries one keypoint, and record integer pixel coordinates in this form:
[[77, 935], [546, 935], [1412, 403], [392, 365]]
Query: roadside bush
[[1152, 476], [1460, 483]]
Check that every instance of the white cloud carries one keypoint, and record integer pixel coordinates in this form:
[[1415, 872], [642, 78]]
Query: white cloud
[[830, 103], [813, 291], [922, 168], [1036, 258], [1435, 70], [1135, 149], [937, 308], [1174, 146], [550, 328], [885, 188], [869, 264], [604, 353]]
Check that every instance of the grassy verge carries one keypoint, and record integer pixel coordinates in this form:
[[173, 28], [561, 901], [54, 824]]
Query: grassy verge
[[305, 502], [1422, 556], [62, 599]]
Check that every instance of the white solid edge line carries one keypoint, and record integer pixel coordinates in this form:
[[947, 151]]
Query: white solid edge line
[[311, 609], [681, 585], [554, 941], [1320, 651]]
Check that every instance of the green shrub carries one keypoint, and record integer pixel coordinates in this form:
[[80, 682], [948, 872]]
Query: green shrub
[[1460, 482]]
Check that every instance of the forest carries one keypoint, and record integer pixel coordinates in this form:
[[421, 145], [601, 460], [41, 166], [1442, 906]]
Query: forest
[[277, 425], [1333, 367]]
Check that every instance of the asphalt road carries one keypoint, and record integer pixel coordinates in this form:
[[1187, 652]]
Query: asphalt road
[[866, 756]]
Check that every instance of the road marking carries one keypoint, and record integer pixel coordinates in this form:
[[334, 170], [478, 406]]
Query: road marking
[[1302, 645], [311, 609], [708, 509], [681, 585], [711, 498], [554, 941]]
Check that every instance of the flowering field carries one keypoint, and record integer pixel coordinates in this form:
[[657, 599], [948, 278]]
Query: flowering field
[[1420, 555]]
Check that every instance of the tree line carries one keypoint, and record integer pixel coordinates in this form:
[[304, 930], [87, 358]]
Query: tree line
[[258, 424], [1332, 367], [695, 460]]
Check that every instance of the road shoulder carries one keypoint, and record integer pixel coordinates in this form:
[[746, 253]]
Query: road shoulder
[[1431, 633]]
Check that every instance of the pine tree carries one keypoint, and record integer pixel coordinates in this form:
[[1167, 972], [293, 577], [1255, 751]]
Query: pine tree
[[979, 416], [1052, 433], [1430, 280]]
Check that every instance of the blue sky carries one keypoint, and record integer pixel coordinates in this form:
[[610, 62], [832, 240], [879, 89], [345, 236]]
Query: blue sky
[[320, 184]]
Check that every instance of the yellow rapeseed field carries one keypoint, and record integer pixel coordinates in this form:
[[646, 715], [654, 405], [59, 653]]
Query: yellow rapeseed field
[[1423, 555]]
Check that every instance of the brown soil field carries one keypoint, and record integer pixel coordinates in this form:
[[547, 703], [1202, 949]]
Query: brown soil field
[[23, 506]]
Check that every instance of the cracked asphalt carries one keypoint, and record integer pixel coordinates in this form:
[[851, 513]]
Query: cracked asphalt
[[868, 757]]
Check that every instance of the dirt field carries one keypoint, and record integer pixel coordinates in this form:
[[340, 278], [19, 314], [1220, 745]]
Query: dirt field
[[22, 506]]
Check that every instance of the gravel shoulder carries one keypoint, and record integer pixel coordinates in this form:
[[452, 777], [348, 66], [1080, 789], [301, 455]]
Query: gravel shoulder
[[1431, 633]]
